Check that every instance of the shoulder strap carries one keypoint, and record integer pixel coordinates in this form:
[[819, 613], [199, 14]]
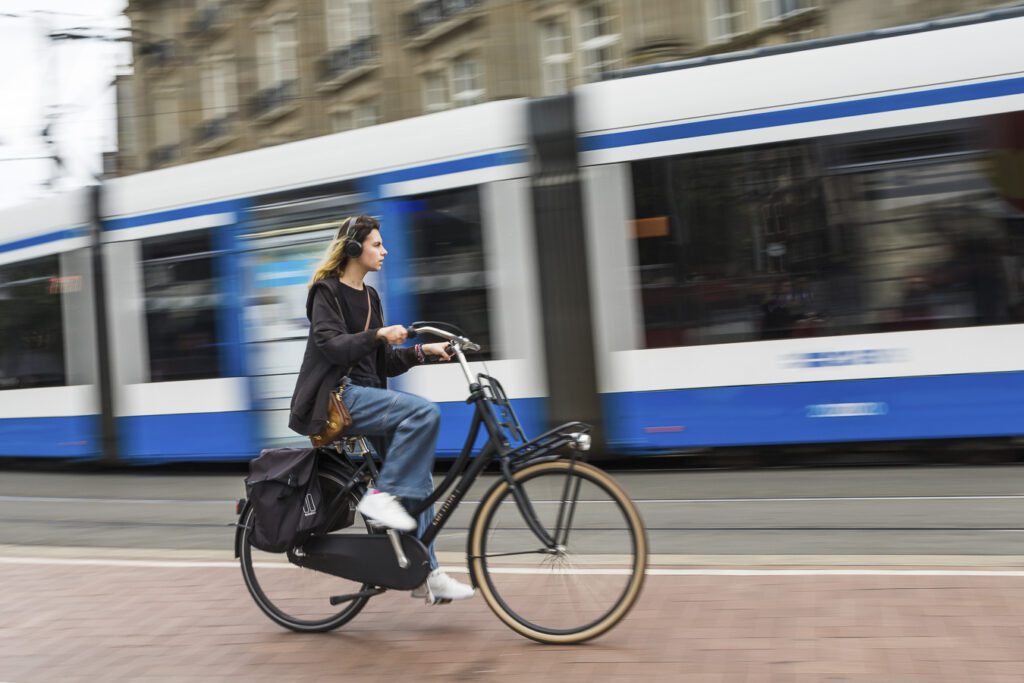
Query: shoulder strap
[[369, 308]]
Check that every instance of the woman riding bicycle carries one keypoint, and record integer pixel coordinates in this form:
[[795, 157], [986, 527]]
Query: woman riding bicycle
[[352, 347]]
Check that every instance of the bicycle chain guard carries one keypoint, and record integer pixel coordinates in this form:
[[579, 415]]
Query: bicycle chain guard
[[366, 559]]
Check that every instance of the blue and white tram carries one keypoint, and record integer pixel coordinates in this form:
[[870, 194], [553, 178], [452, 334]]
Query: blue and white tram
[[816, 245], [206, 267], [47, 352], [822, 244]]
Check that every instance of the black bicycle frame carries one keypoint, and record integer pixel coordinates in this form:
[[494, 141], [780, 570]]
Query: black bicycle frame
[[485, 395]]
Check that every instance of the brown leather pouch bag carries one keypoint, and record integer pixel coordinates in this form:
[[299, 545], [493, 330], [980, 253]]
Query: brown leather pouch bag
[[338, 417], [338, 420]]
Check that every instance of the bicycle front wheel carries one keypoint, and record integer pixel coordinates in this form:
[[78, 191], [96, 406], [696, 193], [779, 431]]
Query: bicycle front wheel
[[585, 584]]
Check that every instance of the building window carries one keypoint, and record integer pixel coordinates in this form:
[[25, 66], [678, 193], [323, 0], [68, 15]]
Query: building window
[[165, 24], [467, 82], [725, 19], [337, 23], [276, 47], [219, 88], [182, 303], [360, 19], [127, 121], [775, 10], [598, 40], [31, 327], [366, 114], [435, 92], [555, 57], [341, 120], [348, 21], [166, 124]]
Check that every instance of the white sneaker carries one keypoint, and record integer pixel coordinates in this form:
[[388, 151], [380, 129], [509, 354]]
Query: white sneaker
[[385, 509], [439, 587]]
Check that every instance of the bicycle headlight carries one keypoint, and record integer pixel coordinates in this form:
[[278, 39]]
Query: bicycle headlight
[[580, 441]]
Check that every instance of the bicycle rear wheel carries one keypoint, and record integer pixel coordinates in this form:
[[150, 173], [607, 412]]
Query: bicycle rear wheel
[[295, 597], [577, 591]]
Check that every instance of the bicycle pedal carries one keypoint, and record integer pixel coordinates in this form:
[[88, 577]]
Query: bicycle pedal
[[431, 601], [429, 598]]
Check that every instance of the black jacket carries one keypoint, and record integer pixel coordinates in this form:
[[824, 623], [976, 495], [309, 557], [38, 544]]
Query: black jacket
[[331, 351]]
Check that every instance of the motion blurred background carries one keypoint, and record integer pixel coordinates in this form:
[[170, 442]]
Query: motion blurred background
[[736, 236], [735, 228]]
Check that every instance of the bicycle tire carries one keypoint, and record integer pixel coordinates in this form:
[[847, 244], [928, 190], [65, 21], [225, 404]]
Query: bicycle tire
[[267, 605], [481, 535]]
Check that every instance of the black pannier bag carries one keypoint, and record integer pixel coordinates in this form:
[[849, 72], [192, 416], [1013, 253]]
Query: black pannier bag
[[339, 474], [284, 490]]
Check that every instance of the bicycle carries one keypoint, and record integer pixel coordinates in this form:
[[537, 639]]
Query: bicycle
[[545, 503]]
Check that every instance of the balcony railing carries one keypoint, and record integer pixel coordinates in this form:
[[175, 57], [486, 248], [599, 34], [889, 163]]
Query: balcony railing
[[158, 54], [212, 129], [205, 20], [164, 154], [429, 14], [268, 99], [343, 59]]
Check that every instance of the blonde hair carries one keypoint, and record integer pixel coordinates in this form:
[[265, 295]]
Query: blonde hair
[[354, 229]]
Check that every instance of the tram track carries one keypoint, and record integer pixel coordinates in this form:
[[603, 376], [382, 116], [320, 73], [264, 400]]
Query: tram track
[[880, 511]]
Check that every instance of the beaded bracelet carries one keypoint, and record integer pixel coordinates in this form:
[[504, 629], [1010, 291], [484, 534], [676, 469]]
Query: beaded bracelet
[[420, 358]]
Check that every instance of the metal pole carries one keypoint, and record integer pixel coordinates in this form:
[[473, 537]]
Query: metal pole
[[104, 379], [569, 354]]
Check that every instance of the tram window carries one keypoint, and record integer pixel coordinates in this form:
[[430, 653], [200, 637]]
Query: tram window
[[448, 281], [31, 329], [276, 306], [913, 228], [182, 303]]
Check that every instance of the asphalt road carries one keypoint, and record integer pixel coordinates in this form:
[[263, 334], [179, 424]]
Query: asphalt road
[[911, 511]]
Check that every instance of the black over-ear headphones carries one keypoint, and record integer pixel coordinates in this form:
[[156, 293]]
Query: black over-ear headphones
[[352, 248]]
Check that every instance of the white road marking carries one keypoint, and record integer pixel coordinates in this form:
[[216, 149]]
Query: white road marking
[[818, 499], [185, 564], [757, 572], [823, 499], [143, 501]]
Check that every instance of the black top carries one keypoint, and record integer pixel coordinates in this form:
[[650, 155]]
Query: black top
[[331, 350], [353, 309]]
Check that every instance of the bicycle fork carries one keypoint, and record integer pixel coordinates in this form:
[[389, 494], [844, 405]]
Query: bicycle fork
[[566, 510]]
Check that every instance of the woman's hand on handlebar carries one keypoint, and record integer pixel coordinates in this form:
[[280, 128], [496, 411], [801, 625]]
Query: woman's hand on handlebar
[[394, 334], [438, 349]]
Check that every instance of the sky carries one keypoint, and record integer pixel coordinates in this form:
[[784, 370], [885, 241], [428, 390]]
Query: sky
[[65, 82]]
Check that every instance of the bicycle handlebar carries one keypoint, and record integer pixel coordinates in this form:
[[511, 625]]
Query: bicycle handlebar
[[454, 339]]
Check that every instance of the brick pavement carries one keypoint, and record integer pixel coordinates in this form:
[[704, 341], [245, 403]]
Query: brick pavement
[[111, 623]]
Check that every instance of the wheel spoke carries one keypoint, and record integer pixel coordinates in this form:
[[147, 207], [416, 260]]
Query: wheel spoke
[[560, 598], [538, 551], [299, 598]]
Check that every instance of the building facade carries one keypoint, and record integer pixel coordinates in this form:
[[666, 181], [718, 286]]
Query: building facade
[[216, 77]]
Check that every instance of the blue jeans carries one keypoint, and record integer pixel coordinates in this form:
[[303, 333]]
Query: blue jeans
[[403, 430]]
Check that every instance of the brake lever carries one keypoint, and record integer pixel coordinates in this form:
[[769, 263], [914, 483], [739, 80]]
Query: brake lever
[[449, 349]]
